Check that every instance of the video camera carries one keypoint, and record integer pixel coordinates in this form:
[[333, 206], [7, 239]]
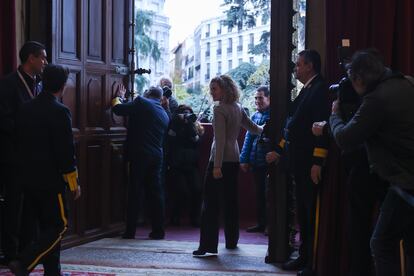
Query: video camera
[[343, 91], [188, 117], [166, 92]]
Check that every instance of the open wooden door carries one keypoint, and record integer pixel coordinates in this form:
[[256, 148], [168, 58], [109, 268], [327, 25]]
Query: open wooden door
[[91, 38]]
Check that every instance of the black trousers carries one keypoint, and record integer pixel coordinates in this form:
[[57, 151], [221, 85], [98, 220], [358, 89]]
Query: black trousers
[[46, 210], [365, 191], [306, 192], [395, 223], [218, 193], [260, 174], [185, 188], [11, 212], [145, 176]]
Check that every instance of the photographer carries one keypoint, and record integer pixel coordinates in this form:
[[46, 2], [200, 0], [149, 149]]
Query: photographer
[[166, 85], [364, 188], [385, 123], [184, 135]]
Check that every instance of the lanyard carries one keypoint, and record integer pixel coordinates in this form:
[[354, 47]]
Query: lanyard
[[25, 84]]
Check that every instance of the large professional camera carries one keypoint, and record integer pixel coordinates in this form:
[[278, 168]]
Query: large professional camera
[[349, 100], [187, 117], [167, 92]]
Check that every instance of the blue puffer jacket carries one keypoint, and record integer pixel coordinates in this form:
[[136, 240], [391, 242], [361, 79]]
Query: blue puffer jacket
[[254, 152]]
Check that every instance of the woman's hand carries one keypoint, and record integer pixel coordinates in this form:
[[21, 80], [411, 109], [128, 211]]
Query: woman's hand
[[217, 174]]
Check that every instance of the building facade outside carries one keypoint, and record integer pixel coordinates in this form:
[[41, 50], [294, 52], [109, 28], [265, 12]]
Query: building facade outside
[[160, 32], [214, 49]]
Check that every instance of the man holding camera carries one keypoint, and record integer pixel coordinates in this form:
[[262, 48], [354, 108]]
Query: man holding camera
[[147, 126], [166, 85], [385, 123], [304, 153]]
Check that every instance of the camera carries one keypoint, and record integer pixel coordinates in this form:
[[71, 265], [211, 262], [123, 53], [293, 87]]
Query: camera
[[166, 92], [349, 100], [188, 117]]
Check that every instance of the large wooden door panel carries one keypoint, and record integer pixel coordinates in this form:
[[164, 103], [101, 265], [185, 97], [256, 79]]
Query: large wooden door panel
[[96, 31], [90, 37], [94, 92]]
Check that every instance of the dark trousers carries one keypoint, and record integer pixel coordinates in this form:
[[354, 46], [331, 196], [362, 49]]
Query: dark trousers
[[260, 174], [395, 222], [365, 191], [48, 211], [145, 174], [220, 192], [11, 212], [185, 187], [306, 192]]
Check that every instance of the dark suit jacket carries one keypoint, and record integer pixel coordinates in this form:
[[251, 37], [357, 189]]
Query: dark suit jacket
[[13, 94], [311, 105], [147, 125], [45, 144]]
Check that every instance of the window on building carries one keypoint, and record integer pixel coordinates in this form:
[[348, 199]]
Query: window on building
[[240, 61], [219, 68], [208, 30], [240, 45], [230, 45], [219, 28], [229, 29], [251, 40], [208, 49], [219, 47], [208, 71], [230, 65], [251, 60]]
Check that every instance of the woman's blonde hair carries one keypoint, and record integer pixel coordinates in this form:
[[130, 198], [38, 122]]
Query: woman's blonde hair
[[229, 87]]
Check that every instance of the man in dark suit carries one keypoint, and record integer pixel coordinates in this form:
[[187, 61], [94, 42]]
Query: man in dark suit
[[15, 89], [147, 125], [46, 155], [305, 153]]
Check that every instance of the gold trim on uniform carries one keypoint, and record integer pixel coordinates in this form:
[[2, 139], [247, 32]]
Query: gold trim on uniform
[[320, 152], [59, 238], [282, 143], [116, 101]]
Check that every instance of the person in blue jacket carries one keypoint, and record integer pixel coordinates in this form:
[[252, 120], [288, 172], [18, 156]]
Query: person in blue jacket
[[253, 156]]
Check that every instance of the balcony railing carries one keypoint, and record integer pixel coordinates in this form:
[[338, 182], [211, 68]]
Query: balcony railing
[[240, 48], [207, 53], [230, 50], [218, 51]]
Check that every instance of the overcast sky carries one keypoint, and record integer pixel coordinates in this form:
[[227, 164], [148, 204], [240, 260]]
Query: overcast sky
[[186, 15]]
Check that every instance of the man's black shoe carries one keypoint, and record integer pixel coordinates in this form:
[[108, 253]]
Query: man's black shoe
[[231, 247], [156, 235], [203, 253], [255, 229], [305, 272], [296, 264], [17, 268]]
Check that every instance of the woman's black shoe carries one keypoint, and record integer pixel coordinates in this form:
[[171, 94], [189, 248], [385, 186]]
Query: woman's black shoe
[[203, 253]]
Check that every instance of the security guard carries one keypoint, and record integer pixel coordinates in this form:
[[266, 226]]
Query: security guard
[[15, 89], [305, 153], [46, 156]]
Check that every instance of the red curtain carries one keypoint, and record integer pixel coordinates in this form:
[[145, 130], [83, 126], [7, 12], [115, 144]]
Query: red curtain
[[7, 37], [389, 27], [382, 24]]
